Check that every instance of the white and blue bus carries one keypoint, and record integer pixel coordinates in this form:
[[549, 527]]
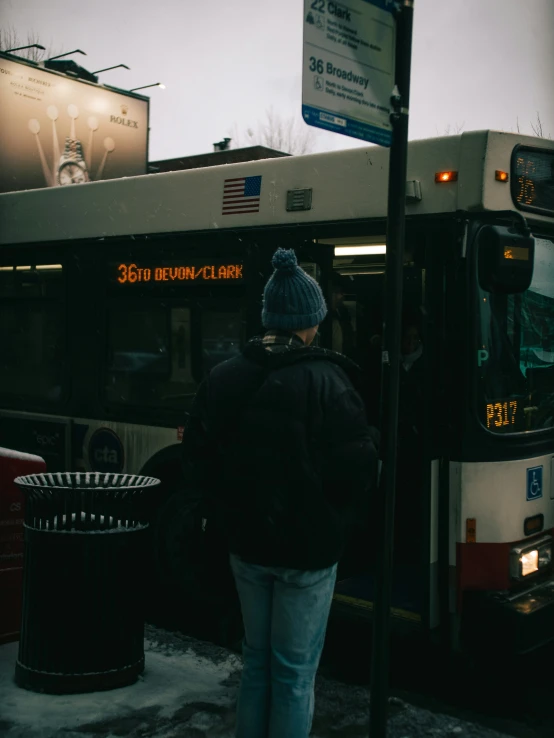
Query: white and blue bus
[[118, 296]]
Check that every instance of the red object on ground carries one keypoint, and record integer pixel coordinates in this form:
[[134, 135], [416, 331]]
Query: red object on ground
[[12, 464]]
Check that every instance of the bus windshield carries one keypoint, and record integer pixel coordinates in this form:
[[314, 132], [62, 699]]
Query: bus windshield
[[515, 354]]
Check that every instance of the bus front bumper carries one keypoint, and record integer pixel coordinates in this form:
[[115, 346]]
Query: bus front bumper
[[515, 622]]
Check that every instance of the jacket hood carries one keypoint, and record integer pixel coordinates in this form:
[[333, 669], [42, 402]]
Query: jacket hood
[[256, 351]]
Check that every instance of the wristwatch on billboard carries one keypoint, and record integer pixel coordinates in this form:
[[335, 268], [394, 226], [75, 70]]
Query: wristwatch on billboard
[[72, 168]]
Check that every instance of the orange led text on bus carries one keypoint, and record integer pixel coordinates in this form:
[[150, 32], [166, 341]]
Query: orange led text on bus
[[526, 193], [515, 252], [501, 413], [131, 273]]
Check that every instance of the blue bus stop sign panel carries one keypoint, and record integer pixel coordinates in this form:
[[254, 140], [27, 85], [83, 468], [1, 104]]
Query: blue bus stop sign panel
[[348, 68], [534, 483], [105, 451]]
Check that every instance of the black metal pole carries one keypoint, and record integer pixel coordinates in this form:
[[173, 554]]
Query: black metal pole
[[391, 365]]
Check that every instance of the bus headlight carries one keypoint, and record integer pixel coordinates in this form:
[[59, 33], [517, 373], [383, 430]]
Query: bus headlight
[[529, 562], [530, 558]]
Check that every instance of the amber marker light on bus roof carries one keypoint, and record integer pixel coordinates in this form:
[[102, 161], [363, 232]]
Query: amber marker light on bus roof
[[446, 176], [361, 250], [471, 530], [501, 176]]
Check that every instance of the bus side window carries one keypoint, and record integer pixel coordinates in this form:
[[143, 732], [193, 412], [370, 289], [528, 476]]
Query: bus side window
[[148, 355], [32, 332], [222, 337]]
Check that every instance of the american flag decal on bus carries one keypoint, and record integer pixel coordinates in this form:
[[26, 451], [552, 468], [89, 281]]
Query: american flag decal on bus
[[241, 195]]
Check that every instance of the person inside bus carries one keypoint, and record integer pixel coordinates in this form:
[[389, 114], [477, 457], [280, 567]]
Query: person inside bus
[[279, 441], [343, 335], [411, 380]]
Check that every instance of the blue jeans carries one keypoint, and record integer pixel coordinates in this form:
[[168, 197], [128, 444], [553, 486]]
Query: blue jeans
[[285, 614]]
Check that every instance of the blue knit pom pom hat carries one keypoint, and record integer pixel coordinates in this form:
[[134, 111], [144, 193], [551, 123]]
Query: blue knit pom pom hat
[[292, 299]]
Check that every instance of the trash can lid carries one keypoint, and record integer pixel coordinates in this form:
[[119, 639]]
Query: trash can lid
[[106, 482]]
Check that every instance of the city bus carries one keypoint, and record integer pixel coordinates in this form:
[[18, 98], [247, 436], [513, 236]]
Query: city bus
[[119, 296]]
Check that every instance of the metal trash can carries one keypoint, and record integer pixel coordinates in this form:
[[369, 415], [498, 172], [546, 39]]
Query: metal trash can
[[82, 626]]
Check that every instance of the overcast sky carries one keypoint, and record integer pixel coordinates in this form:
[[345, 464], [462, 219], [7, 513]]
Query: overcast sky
[[475, 63]]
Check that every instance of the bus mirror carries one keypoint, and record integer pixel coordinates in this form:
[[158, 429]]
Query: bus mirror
[[505, 260]]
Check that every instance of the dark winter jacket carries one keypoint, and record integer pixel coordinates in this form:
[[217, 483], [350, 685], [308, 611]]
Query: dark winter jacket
[[279, 443]]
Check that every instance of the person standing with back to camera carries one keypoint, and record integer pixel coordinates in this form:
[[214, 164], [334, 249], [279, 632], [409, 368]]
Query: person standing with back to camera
[[279, 442]]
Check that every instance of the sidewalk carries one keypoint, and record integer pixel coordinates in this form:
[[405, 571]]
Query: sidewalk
[[189, 690]]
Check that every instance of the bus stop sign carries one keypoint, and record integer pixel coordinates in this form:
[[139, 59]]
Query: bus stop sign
[[348, 67]]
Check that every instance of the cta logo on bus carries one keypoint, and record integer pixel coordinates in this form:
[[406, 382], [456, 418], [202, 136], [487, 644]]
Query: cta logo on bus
[[105, 451]]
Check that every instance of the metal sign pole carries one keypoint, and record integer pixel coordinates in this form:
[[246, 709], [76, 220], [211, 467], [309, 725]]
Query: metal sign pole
[[391, 366]]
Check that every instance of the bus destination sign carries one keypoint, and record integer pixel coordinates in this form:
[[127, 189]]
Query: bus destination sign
[[178, 272], [533, 179]]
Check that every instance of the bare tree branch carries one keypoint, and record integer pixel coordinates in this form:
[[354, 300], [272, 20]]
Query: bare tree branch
[[290, 135], [537, 127], [10, 39], [454, 130], [34, 54]]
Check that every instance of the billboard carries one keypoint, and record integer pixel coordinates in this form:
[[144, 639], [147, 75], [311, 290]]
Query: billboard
[[56, 130]]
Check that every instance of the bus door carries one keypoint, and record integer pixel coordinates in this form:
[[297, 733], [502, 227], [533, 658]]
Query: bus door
[[357, 316]]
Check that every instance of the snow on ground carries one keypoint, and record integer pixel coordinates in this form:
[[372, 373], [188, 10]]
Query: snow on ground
[[189, 690]]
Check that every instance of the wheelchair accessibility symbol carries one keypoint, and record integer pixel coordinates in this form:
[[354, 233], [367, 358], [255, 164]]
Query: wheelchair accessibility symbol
[[534, 483]]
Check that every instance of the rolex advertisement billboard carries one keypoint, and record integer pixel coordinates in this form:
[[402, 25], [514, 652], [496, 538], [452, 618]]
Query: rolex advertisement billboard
[[56, 130]]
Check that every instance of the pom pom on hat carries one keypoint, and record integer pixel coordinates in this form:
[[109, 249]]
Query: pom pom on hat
[[292, 299], [284, 260]]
